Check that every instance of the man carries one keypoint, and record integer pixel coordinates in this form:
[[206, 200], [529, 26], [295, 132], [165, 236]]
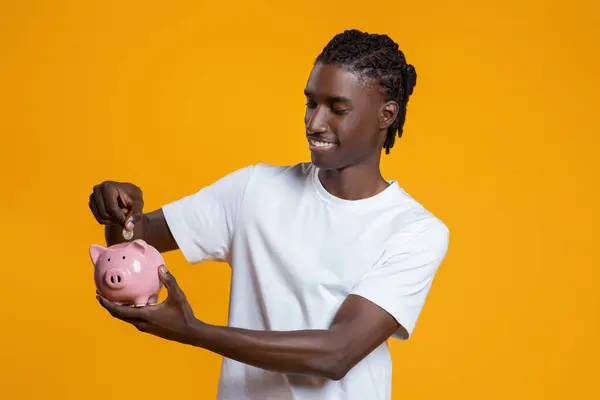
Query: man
[[329, 259]]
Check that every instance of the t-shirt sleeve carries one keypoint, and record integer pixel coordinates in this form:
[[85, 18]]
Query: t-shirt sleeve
[[402, 282], [203, 223]]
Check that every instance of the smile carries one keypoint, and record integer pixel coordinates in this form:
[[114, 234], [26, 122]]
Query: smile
[[321, 145]]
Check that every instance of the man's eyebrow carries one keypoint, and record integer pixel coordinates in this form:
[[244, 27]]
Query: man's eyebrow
[[332, 99]]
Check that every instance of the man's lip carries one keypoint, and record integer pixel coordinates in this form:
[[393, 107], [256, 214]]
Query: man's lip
[[330, 146], [315, 139]]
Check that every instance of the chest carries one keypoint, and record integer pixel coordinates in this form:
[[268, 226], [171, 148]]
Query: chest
[[299, 241]]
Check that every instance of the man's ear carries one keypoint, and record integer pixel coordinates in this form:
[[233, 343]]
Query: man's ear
[[388, 114]]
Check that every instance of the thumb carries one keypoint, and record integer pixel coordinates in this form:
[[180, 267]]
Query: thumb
[[132, 209], [132, 218], [168, 280], [164, 275], [174, 293]]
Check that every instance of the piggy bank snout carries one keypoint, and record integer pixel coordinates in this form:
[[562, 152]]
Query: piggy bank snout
[[116, 278]]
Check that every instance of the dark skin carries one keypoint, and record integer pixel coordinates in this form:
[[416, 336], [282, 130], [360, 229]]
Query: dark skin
[[341, 109], [352, 113]]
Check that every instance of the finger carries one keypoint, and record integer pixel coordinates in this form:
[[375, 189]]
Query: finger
[[132, 218], [166, 278], [111, 202], [125, 209], [170, 283], [135, 207], [95, 212], [99, 200], [121, 312]]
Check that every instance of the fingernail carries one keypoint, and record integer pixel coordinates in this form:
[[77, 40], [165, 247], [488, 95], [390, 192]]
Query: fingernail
[[163, 269]]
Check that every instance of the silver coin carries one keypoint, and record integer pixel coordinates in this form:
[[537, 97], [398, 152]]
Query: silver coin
[[127, 234]]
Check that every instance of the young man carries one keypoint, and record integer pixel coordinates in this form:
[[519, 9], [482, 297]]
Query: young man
[[328, 258]]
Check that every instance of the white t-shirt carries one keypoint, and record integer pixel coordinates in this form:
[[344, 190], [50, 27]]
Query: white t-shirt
[[296, 252]]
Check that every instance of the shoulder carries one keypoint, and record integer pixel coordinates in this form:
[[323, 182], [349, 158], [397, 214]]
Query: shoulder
[[264, 173], [270, 170], [415, 228]]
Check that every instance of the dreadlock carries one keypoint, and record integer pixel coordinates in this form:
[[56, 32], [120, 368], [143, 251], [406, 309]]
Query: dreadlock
[[374, 56]]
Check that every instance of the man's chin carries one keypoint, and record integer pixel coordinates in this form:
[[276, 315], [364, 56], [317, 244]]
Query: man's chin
[[323, 162]]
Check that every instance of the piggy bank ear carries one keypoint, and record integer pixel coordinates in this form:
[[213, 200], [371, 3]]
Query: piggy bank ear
[[140, 246], [95, 251]]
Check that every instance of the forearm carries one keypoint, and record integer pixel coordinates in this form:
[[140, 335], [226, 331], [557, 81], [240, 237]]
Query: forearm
[[152, 228], [312, 352]]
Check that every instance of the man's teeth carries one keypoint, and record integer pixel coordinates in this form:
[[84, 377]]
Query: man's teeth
[[317, 143]]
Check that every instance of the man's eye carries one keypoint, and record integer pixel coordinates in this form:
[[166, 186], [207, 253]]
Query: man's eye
[[339, 110], [311, 104]]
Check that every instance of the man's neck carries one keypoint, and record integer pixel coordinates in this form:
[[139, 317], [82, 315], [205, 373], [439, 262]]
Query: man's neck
[[353, 183]]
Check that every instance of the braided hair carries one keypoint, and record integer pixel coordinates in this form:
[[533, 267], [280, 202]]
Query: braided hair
[[374, 56]]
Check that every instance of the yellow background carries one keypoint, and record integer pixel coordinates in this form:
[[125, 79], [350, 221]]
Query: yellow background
[[499, 142]]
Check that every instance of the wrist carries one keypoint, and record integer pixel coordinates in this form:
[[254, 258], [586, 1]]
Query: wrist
[[196, 333], [145, 227]]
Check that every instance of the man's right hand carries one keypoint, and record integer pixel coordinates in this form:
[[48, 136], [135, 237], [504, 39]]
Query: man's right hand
[[117, 203]]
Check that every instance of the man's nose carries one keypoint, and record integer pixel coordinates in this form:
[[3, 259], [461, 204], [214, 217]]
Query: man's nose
[[316, 121]]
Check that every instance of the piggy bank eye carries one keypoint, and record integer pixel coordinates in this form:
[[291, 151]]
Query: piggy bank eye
[[123, 257], [109, 259]]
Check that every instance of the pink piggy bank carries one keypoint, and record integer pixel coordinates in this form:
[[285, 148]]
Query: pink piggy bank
[[127, 273]]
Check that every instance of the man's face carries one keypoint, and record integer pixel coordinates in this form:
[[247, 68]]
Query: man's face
[[343, 118]]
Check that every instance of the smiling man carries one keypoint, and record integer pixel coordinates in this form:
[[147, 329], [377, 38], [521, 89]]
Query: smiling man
[[329, 259]]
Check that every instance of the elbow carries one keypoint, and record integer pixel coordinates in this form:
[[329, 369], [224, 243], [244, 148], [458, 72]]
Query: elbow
[[335, 366], [336, 359], [336, 373]]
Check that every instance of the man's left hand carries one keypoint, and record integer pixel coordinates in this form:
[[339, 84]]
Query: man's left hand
[[173, 319]]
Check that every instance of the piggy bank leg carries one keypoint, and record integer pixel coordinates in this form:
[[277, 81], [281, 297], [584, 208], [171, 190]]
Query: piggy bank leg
[[153, 300], [140, 302], [146, 301]]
